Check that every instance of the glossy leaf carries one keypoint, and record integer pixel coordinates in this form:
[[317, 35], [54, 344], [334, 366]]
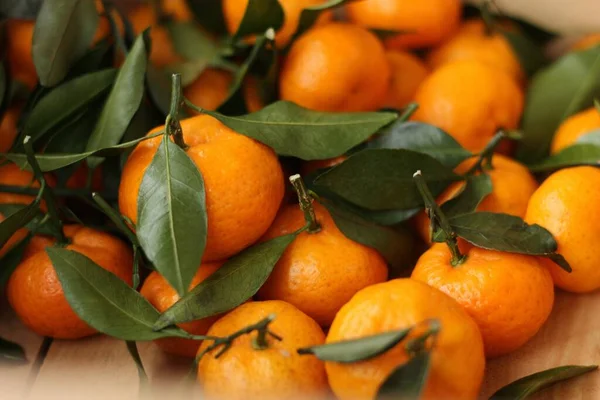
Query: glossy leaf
[[104, 301], [382, 179], [11, 351], [11, 260], [473, 193], [408, 380], [51, 162], [18, 220], [67, 100], [259, 16], [209, 15], [63, 31], [231, 285], [123, 101], [396, 246], [585, 151], [159, 89], [555, 93], [531, 384], [172, 222], [528, 52], [191, 43], [309, 15], [508, 233], [295, 131], [100, 56], [423, 138], [350, 351]]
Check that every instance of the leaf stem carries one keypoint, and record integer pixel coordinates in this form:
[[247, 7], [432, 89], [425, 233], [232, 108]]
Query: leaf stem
[[58, 192], [487, 17], [484, 159], [439, 220], [48, 195], [306, 204], [172, 125], [418, 344], [408, 111]]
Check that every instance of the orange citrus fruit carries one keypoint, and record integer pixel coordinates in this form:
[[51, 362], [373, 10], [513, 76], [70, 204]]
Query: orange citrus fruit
[[509, 296], [234, 10], [36, 294], [408, 72], [319, 272], [277, 372], [8, 128], [512, 186], [587, 42], [242, 178], [575, 127], [457, 360], [566, 205], [336, 67], [472, 42], [471, 101], [419, 23], [162, 296], [18, 51]]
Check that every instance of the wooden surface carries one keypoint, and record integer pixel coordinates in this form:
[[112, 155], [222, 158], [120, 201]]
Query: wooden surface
[[100, 367]]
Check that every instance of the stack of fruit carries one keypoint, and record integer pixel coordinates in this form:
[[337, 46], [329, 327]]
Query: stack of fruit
[[448, 185]]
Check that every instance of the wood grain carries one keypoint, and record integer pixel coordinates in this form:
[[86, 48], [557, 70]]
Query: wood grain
[[14, 378]]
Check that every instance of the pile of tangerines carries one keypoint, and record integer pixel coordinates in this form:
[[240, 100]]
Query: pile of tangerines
[[328, 318]]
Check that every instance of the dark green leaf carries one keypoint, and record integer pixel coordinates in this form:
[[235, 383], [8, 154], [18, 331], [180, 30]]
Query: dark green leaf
[[94, 59], [191, 43], [396, 246], [18, 220], [555, 93], [585, 151], [382, 179], [10, 351], [505, 232], [408, 380], [528, 52], [209, 15], [159, 89], [135, 356], [51, 162], [310, 135], [350, 351], [104, 301], [4, 88], [309, 15], [64, 29], [473, 193], [11, 260], [531, 384], [421, 137], [65, 101], [260, 15], [20, 9], [123, 101], [172, 215], [232, 284]]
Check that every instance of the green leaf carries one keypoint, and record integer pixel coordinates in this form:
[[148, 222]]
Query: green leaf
[[51, 162], [531, 384], [123, 101], [309, 15], [555, 93], [19, 9], [96, 58], [508, 233], [18, 220], [104, 301], [209, 15], [159, 89], [4, 88], [350, 351], [259, 16], [408, 380], [421, 137], [528, 52], [10, 351], [191, 43], [11, 260], [172, 215], [585, 151], [382, 179], [473, 193], [295, 131], [64, 29], [231, 285], [395, 245], [135, 356], [67, 100]]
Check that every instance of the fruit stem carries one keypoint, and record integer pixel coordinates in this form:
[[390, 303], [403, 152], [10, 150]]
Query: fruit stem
[[306, 204], [487, 17], [484, 160], [48, 195], [408, 111], [439, 220], [172, 125]]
